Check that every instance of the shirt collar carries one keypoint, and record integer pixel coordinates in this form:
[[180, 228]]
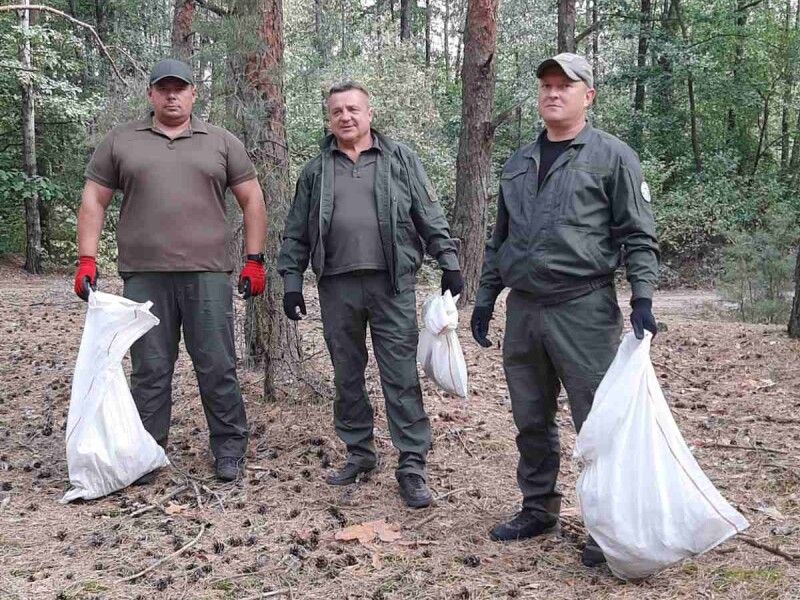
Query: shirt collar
[[196, 125]]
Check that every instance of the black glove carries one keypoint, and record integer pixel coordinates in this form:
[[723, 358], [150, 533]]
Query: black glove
[[452, 280], [481, 315], [291, 302], [642, 317]]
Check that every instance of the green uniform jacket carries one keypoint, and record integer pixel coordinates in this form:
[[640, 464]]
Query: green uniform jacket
[[406, 206], [592, 211]]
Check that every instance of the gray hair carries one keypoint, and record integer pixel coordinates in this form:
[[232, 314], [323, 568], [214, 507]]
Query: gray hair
[[346, 86]]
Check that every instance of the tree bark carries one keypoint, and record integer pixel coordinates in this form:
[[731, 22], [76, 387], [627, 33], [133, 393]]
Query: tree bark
[[33, 223], [446, 41], [476, 140], [595, 45], [405, 20], [695, 136], [645, 25], [794, 317], [566, 26], [428, 16], [738, 55], [182, 39], [319, 36], [272, 337]]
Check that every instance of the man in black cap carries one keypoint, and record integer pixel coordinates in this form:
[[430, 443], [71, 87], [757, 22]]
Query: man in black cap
[[572, 207], [173, 170]]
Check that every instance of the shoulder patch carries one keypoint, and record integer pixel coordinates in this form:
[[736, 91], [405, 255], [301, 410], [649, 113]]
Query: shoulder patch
[[645, 191]]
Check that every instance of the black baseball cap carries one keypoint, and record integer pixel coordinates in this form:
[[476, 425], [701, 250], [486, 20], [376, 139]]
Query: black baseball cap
[[170, 67]]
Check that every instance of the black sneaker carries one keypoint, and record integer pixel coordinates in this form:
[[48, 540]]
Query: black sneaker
[[229, 468], [592, 555], [414, 491], [525, 524], [349, 473]]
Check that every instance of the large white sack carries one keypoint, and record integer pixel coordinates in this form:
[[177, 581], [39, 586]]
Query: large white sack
[[438, 350], [644, 498], [107, 446]]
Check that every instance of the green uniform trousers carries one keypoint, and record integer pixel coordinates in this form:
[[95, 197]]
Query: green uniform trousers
[[348, 303], [572, 343], [201, 303]]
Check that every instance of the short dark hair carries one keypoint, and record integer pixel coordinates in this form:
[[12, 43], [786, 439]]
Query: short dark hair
[[346, 86]]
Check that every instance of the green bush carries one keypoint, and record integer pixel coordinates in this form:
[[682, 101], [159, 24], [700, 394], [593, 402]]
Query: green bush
[[758, 267]]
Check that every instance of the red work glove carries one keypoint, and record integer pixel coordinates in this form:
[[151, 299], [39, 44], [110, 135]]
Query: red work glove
[[85, 276], [252, 279]]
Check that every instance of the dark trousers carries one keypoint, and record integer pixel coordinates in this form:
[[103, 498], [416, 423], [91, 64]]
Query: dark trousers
[[572, 343], [201, 304], [349, 302]]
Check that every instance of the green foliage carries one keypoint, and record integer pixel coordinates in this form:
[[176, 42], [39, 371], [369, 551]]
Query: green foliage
[[758, 268]]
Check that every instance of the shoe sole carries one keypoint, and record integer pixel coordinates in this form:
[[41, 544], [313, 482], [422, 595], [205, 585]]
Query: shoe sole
[[555, 529], [350, 480], [418, 504], [593, 558]]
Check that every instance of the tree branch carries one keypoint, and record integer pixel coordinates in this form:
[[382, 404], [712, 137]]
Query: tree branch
[[746, 6], [589, 30], [50, 9], [214, 9]]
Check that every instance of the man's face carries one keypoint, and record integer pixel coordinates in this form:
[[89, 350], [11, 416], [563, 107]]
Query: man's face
[[563, 102], [172, 100], [350, 116]]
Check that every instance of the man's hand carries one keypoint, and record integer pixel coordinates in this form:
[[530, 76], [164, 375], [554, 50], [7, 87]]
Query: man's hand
[[481, 315], [85, 277], [452, 280], [291, 302], [252, 279], [642, 317]]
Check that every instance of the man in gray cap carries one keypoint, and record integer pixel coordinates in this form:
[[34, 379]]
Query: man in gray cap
[[173, 170], [572, 207]]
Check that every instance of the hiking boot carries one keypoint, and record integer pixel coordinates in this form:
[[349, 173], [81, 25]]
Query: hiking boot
[[229, 468], [147, 478], [349, 473], [414, 491], [526, 523], [592, 555]]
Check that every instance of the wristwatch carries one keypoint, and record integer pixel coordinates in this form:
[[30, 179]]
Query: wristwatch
[[259, 258]]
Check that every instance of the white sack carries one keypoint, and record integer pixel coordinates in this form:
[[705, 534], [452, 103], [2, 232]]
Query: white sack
[[439, 351], [107, 446], [644, 498]]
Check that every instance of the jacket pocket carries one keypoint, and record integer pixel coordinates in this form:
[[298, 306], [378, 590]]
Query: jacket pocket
[[574, 252]]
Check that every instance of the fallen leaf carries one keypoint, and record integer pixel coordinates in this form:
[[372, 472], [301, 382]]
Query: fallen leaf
[[772, 513], [387, 532], [175, 509], [364, 533]]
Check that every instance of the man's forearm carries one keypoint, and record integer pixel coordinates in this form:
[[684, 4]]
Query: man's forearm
[[90, 223], [254, 216]]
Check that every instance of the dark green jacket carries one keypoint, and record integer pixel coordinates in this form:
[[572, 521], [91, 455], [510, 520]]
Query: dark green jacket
[[592, 213], [407, 210]]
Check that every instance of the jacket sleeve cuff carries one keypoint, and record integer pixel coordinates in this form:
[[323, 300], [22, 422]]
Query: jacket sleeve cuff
[[448, 261], [641, 289], [486, 297], [292, 283]]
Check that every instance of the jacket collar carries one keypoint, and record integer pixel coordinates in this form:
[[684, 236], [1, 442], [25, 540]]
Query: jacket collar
[[581, 139]]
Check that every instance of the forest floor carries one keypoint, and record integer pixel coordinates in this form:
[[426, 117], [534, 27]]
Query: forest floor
[[734, 390]]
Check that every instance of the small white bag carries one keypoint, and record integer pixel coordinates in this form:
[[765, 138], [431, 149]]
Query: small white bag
[[644, 498], [107, 446], [439, 351]]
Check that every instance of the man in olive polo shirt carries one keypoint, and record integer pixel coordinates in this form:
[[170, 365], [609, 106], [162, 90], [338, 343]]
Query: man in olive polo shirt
[[573, 206], [173, 170], [360, 209]]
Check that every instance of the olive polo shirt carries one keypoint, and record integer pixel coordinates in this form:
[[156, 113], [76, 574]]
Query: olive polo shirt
[[354, 239], [173, 193]]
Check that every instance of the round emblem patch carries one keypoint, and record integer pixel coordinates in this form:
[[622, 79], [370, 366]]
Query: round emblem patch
[[645, 191]]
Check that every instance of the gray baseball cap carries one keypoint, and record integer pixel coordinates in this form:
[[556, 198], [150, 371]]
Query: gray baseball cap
[[170, 67], [574, 66]]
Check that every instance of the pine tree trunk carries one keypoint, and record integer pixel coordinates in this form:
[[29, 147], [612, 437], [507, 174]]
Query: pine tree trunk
[[428, 33], [272, 337], [566, 26], [446, 42], [476, 140], [405, 20], [794, 318], [641, 64], [182, 41], [33, 224]]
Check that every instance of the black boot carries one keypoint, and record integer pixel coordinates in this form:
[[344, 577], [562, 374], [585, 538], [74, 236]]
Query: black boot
[[592, 555], [147, 478], [229, 468], [525, 524], [349, 473], [414, 491]]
